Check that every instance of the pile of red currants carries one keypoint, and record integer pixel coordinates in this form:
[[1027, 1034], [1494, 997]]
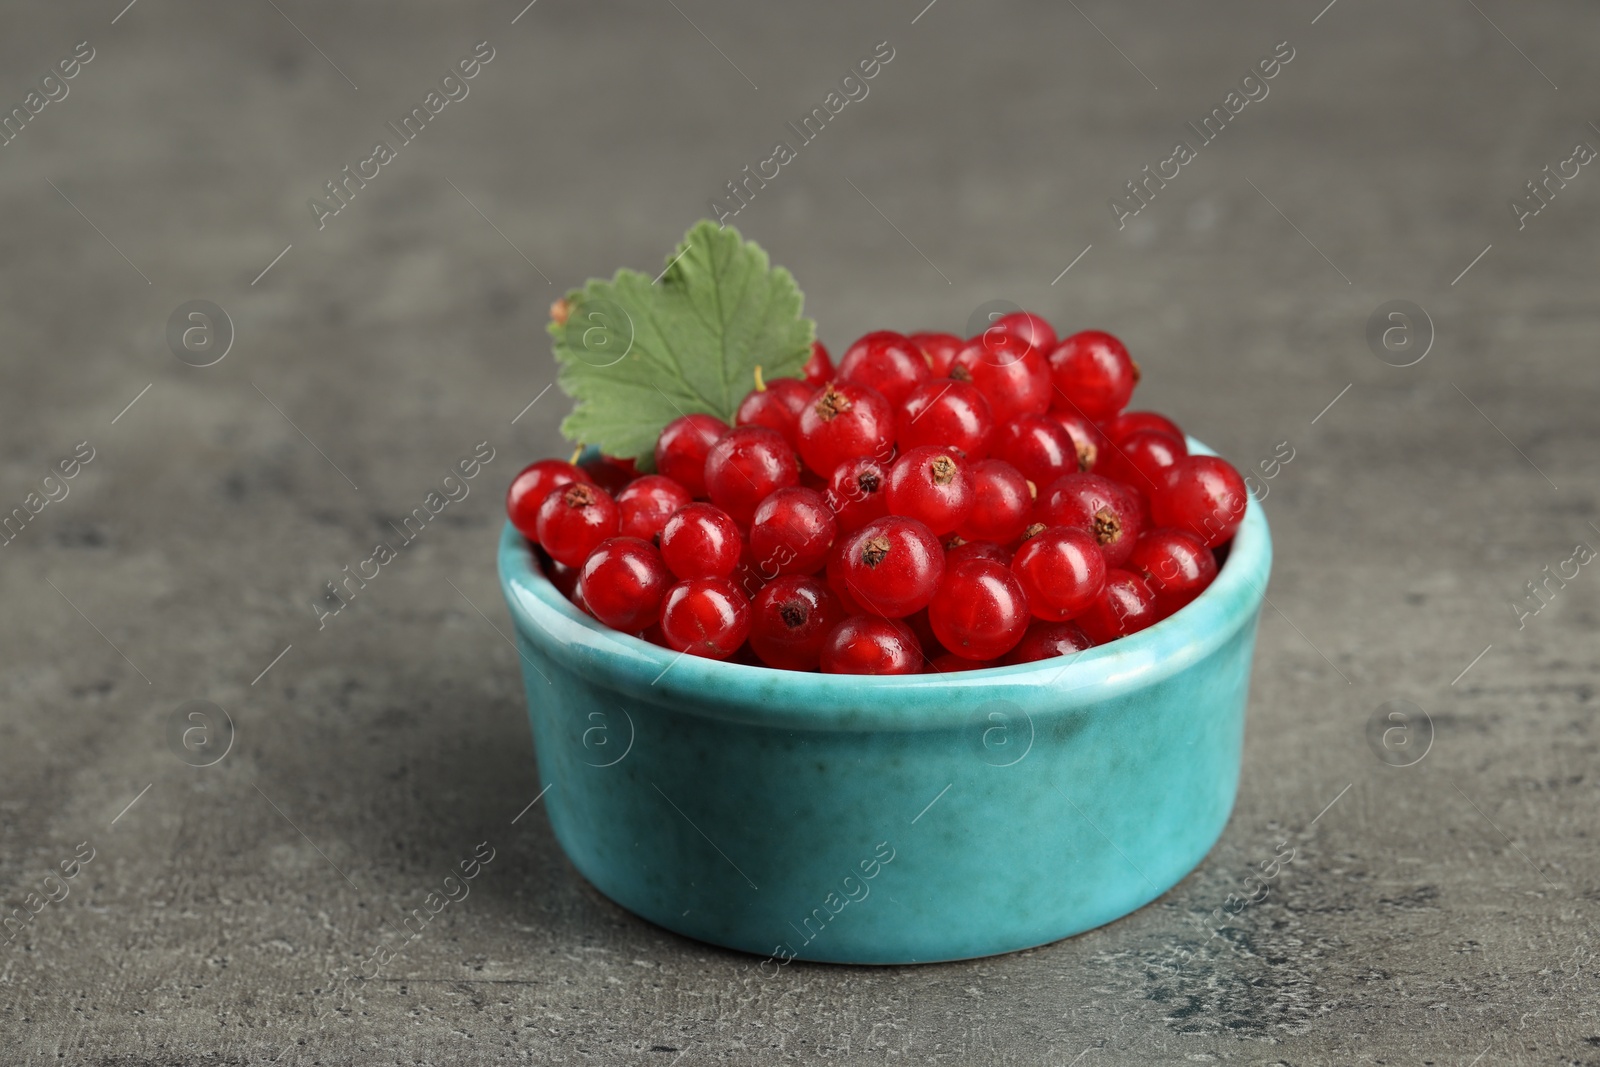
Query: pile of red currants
[[933, 504]]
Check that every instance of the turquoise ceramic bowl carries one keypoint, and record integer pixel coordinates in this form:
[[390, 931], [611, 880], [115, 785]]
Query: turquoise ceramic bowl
[[889, 820]]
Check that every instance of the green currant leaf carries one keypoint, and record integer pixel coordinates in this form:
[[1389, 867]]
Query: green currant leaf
[[636, 354]]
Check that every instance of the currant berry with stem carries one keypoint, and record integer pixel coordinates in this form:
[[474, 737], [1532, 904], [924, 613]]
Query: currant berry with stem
[[705, 617], [1011, 374], [1060, 570], [701, 541], [931, 485], [947, 413], [573, 519], [792, 617], [891, 566], [818, 370], [980, 610], [941, 349], [1126, 605], [1091, 443], [792, 532], [1176, 563], [844, 421], [1038, 446], [1201, 494], [647, 502], [682, 447], [866, 644], [855, 493], [775, 405], [1093, 373], [746, 466], [1106, 510], [529, 488], [623, 583], [1047, 640]]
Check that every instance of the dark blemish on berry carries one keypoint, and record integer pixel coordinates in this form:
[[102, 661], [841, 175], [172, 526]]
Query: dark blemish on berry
[[876, 550], [944, 470], [831, 403], [869, 481], [794, 614], [1087, 454], [1106, 527], [960, 374], [578, 495], [1033, 531]]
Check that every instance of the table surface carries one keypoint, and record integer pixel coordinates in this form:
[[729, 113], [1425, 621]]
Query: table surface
[[1442, 912]]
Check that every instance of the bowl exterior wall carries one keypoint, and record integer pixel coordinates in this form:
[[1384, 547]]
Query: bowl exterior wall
[[1046, 813]]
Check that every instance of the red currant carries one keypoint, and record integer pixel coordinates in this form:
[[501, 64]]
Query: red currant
[[682, 448], [609, 472], [705, 617], [844, 421], [1010, 373], [886, 361], [623, 582], [980, 610], [1060, 570], [1002, 503], [529, 489], [748, 465], [1091, 443], [1140, 458], [1038, 446], [947, 413], [564, 578], [775, 405], [1129, 421], [792, 532], [792, 618], [1201, 494], [1176, 563], [818, 370], [1028, 326], [1106, 510], [1126, 605], [865, 644], [891, 566], [931, 485], [701, 541], [647, 502], [958, 550], [941, 349], [855, 493], [1093, 374], [573, 519], [918, 621], [950, 663], [1046, 640]]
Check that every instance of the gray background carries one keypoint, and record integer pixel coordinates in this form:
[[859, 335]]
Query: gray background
[[1439, 913]]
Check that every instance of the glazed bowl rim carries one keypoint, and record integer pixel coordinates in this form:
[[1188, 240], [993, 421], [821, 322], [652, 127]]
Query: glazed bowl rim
[[771, 697]]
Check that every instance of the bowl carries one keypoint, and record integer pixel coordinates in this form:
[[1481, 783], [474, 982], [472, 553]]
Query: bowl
[[889, 820]]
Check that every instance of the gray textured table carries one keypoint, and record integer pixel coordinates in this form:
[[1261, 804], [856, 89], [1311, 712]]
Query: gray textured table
[[1442, 912]]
